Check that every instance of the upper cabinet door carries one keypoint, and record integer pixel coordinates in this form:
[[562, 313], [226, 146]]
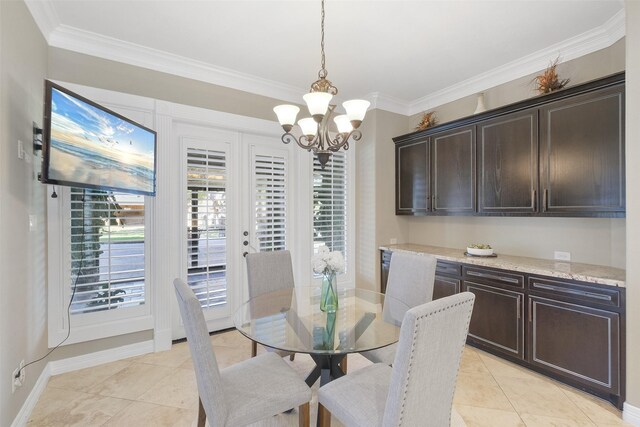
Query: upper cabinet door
[[454, 171], [508, 163], [582, 154], [412, 178]]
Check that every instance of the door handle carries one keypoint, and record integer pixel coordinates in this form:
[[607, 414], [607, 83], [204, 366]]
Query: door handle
[[245, 253], [534, 201]]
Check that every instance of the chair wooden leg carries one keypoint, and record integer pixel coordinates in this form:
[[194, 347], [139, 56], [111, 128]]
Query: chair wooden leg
[[324, 416], [343, 364], [303, 416], [202, 416], [254, 348], [292, 356]]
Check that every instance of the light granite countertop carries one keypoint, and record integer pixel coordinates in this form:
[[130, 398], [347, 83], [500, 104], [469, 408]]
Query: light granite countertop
[[590, 273]]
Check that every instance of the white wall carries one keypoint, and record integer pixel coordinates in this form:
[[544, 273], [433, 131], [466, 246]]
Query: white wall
[[22, 258], [633, 208]]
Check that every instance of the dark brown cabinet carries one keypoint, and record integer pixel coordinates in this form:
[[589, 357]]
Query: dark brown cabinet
[[569, 330], [413, 180], [497, 322], [562, 340], [385, 258], [575, 333], [454, 171], [560, 154], [447, 280], [582, 153], [508, 163]]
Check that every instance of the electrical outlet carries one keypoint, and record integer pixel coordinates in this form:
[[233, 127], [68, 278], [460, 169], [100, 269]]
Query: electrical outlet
[[18, 380], [562, 256], [393, 241]]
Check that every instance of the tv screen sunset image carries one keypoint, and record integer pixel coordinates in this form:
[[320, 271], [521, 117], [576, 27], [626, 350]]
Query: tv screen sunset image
[[90, 146]]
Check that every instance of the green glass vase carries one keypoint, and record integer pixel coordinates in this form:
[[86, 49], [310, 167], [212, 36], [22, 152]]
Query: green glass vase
[[329, 295]]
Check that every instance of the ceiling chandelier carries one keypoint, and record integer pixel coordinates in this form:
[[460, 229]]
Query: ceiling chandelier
[[315, 129]]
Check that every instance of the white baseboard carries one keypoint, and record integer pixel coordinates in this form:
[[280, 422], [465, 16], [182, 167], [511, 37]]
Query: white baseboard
[[25, 412], [162, 340], [62, 366], [631, 414], [99, 357]]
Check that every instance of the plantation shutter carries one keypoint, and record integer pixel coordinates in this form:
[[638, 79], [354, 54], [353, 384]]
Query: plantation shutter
[[206, 225], [107, 250], [270, 186], [330, 203]]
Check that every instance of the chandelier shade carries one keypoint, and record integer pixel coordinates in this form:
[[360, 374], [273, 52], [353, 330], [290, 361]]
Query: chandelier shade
[[316, 135]]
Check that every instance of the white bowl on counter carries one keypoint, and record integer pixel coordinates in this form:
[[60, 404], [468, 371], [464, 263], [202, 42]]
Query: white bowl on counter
[[479, 252]]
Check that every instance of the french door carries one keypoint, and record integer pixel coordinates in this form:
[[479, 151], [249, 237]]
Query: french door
[[235, 199]]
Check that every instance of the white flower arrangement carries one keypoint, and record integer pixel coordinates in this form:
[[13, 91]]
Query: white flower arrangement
[[325, 262]]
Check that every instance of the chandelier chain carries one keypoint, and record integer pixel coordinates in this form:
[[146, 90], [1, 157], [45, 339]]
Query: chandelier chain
[[323, 71]]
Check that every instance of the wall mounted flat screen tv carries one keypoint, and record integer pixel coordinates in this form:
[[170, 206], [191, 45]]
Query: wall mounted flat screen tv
[[89, 146]]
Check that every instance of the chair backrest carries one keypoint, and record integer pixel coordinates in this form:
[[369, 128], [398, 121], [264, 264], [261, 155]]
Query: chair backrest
[[410, 281], [269, 271], [204, 360], [425, 369]]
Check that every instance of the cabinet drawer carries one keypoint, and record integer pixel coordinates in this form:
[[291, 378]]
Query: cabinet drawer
[[576, 292], [494, 276], [448, 268]]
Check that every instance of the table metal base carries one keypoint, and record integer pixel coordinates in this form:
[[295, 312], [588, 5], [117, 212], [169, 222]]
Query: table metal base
[[327, 368]]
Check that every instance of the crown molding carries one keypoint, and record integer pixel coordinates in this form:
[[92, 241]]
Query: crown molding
[[574, 47], [89, 43], [45, 16], [383, 102], [109, 48]]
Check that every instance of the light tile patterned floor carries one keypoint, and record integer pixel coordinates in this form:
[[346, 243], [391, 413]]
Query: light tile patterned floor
[[160, 390]]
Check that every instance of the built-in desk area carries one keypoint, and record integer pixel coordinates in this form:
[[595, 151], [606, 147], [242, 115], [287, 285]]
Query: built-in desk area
[[565, 320]]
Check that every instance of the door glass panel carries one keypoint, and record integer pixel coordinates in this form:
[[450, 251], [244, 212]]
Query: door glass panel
[[270, 187], [206, 225]]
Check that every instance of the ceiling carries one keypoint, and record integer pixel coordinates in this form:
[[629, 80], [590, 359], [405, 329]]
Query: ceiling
[[403, 55]]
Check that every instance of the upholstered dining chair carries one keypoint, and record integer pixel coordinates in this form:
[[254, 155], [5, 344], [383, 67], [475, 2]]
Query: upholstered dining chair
[[418, 389], [410, 282], [246, 392], [267, 272]]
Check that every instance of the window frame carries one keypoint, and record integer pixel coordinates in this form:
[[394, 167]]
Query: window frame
[[95, 325]]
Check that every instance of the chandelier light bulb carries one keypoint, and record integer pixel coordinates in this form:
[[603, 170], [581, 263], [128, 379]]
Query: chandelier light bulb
[[287, 115], [356, 110], [318, 103], [309, 127], [343, 123]]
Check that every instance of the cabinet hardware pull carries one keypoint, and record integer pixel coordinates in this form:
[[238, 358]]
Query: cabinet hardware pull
[[545, 200], [492, 276], [530, 310], [518, 307], [534, 202], [572, 291]]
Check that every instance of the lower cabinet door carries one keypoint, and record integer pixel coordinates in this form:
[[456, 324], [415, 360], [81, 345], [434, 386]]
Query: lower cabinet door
[[445, 286], [563, 335], [497, 319]]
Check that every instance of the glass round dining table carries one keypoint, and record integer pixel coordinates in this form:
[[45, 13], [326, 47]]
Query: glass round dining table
[[291, 320]]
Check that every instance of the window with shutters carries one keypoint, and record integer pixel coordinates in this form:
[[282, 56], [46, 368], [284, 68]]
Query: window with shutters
[[107, 263], [270, 186], [330, 188], [206, 225], [99, 267]]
